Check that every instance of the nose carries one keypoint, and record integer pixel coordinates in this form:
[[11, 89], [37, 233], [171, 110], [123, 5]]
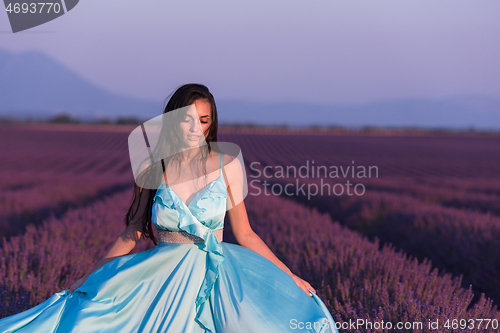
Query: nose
[[195, 126]]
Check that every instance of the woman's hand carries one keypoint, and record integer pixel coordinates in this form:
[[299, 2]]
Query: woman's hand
[[77, 284], [304, 285]]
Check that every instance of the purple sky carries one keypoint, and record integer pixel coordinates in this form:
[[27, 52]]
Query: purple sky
[[327, 52]]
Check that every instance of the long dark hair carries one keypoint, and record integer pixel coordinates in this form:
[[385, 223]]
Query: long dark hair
[[140, 211]]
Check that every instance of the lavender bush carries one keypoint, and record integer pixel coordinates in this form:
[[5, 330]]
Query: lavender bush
[[430, 201], [50, 257], [354, 277]]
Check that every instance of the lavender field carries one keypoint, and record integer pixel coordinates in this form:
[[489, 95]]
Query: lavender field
[[420, 244]]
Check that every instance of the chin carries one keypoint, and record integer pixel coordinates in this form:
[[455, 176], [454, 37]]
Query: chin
[[192, 143]]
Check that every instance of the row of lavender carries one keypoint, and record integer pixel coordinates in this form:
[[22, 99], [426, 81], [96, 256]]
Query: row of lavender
[[88, 151], [358, 280], [481, 196], [354, 277], [418, 206], [49, 257], [456, 240], [45, 171], [430, 169], [63, 151], [27, 198], [400, 156]]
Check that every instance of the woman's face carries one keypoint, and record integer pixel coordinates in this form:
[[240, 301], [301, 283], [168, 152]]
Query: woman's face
[[195, 125]]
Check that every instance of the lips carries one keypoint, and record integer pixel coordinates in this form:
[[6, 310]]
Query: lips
[[193, 137]]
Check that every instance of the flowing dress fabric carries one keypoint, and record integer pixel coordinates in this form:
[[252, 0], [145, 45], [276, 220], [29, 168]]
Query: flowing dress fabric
[[182, 287]]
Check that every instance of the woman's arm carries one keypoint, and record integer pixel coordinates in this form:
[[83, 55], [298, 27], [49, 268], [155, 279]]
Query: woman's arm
[[234, 176], [123, 245], [246, 237], [125, 242]]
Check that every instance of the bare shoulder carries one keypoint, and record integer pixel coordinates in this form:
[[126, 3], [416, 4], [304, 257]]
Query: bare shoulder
[[230, 163]]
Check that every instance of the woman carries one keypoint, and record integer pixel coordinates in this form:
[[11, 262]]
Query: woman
[[192, 281]]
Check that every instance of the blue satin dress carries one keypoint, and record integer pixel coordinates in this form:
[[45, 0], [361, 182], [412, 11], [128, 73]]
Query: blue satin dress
[[182, 287]]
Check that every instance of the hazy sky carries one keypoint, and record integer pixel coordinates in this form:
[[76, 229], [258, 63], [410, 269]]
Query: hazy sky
[[328, 52]]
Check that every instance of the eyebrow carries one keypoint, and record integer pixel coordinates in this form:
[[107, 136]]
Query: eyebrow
[[204, 116]]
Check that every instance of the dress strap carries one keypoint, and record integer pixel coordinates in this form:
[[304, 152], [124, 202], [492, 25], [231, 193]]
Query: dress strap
[[221, 164], [212, 162]]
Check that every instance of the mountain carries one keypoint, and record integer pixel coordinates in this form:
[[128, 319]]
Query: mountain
[[461, 112], [31, 83]]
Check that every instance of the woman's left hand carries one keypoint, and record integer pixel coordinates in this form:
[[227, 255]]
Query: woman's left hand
[[304, 285]]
